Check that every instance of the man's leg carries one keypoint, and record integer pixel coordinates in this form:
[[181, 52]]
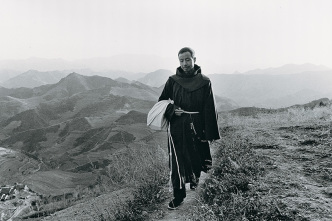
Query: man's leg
[[179, 195]]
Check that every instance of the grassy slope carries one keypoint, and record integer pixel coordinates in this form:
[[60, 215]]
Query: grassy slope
[[271, 167]]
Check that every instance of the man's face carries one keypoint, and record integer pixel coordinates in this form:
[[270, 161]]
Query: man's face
[[186, 61]]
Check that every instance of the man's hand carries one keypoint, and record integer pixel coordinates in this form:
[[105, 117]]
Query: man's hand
[[178, 111]]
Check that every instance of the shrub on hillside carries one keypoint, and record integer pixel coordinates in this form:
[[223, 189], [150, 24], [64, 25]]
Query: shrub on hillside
[[146, 168], [146, 198]]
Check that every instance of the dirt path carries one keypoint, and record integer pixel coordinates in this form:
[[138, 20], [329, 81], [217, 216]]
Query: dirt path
[[182, 213]]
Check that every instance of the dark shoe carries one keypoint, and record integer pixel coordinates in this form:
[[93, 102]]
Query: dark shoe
[[175, 203], [193, 185]]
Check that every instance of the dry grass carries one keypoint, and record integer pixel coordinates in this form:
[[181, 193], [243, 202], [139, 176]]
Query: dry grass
[[134, 165], [270, 167], [145, 169]]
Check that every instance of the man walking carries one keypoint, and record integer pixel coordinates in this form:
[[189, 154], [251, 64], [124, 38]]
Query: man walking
[[193, 122]]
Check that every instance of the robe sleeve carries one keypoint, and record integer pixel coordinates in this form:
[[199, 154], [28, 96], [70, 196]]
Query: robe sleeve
[[167, 94], [211, 128]]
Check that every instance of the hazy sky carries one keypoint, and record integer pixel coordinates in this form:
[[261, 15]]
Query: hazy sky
[[227, 35]]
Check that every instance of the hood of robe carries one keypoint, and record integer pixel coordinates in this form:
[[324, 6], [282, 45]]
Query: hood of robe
[[193, 81]]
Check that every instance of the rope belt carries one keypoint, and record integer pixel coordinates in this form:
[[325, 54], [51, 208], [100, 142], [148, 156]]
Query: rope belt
[[188, 112]]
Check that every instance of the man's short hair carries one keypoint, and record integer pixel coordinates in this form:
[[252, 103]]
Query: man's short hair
[[187, 49]]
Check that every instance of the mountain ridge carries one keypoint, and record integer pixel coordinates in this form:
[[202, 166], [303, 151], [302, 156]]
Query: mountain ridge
[[153, 81], [125, 62], [34, 78], [275, 88], [260, 90], [289, 69]]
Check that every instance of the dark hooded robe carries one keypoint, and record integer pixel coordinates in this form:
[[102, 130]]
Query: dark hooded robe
[[190, 151]]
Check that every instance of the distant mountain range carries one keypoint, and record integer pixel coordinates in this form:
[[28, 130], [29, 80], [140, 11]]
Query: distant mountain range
[[6, 74], [71, 90], [10, 78], [288, 69], [273, 91], [134, 63], [34, 78], [156, 78], [270, 88]]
